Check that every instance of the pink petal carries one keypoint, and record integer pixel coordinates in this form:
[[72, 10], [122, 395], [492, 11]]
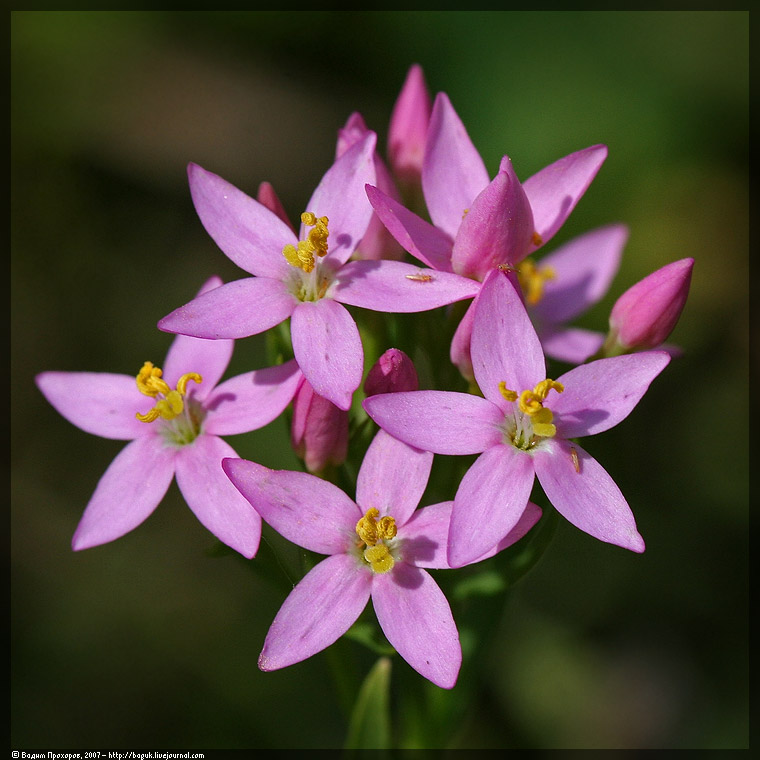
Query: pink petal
[[555, 190], [212, 497], [100, 403], [497, 229], [424, 539], [130, 489], [453, 173], [601, 394], [489, 503], [318, 611], [209, 358], [528, 519], [340, 196], [392, 478], [252, 400], [328, 349], [583, 270], [303, 508], [397, 287], [504, 346], [235, 310], [247, 232], [443, 422], [420, 238], [417, 621], [588, 498], [572, 345]]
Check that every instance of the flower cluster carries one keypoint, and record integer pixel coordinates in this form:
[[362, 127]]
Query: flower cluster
[[429, 233]]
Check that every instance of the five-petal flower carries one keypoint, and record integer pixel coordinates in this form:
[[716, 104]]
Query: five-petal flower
[[307, 279], [523, 428], [173, 419], [378, 547]]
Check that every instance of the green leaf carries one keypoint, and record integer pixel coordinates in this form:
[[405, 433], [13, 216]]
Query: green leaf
[[370, 723]]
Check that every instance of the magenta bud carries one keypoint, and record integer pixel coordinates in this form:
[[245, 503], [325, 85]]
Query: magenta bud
[[393, 372], [319, 430], [408, 127], [644, 316], [266, 196]]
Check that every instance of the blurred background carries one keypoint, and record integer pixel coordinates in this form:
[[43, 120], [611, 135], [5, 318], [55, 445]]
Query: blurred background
[[152, 641]]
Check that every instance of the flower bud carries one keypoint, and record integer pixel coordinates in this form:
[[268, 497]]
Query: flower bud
[[408, 127], [319, 430], [266, 196], [391, 373], [644, 316]]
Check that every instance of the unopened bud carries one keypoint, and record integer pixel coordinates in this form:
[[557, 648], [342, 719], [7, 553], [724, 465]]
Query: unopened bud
[[319, 430], [393, 372], [645, 315]]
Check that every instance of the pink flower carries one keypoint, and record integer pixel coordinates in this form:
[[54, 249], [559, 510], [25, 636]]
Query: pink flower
[[393, 372], [309, 279], [173, 420], [378, 547], [480, 224], [647, 312], [523, 428], [318, 430]]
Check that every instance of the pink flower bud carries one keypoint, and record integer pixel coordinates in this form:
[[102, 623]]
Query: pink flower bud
[[391, 373], [644, 316], [408, 127], [266, 196], [319, 430]]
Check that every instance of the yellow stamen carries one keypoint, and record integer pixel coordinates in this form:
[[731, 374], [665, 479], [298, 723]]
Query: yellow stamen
[[150, 383], [532, 280], [508, 394], [531, 402], [303, 256], [537, 240], [373, 533]]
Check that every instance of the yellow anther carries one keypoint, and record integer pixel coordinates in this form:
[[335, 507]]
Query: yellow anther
[[303, 256], [366, 528], [149, 380], [537, 240], [529, 402], [386, 528], [185, 379], [508, 394], [532, 280], [380, 558], [150, 416], [171, 405], [542, 389], [532, 401]]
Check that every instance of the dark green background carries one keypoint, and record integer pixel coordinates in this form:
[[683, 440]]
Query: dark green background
[[150, 643]]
